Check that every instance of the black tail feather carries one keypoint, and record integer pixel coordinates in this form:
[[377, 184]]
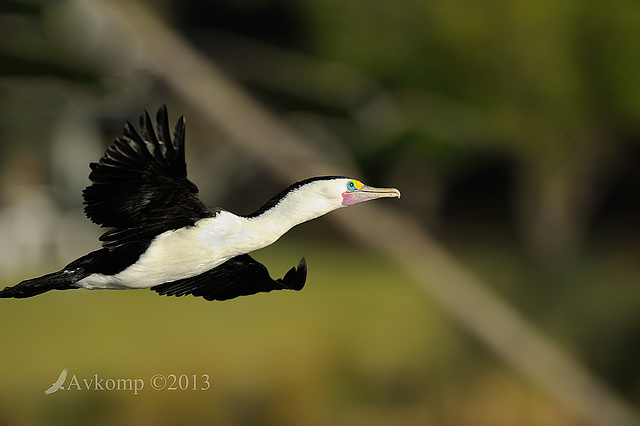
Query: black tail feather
[[61, 280]]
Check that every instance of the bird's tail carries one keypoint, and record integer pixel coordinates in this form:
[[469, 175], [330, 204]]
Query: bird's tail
[[61, 280]]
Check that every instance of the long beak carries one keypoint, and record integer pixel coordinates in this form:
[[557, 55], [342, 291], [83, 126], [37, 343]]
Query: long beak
[[370, 193], [367, 193]]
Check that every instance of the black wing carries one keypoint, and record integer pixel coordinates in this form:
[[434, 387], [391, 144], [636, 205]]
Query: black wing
[[239, 276], [140, 187]]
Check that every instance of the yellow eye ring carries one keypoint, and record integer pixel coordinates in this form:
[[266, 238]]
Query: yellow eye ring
[[353, 185]]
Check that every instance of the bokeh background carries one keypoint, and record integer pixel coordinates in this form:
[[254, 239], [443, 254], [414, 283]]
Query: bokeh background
[[511, 128]]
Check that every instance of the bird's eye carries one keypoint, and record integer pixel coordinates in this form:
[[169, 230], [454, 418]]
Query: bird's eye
[[351, 186]]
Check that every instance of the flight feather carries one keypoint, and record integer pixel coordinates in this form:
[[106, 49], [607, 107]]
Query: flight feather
[[140, 187]]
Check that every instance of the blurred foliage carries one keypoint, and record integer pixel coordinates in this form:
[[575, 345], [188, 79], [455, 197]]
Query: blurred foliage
[[511, 128], [549, 90]]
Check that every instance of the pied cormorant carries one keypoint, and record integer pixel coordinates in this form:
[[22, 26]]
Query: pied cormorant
[[164, 238]]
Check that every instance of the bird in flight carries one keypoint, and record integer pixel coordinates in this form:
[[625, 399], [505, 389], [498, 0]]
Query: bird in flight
[[58, 383], [163, 237]]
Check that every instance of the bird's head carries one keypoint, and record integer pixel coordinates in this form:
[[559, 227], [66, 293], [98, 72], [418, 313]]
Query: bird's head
[[311, 198], [353, 191], [331, 193]]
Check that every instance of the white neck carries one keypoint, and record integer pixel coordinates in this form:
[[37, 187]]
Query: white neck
[[298, 206]]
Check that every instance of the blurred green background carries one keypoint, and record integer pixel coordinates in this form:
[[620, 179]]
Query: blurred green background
[[511, 128]]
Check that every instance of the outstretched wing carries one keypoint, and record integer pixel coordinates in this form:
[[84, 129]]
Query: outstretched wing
[[239, 276], [140, 187]]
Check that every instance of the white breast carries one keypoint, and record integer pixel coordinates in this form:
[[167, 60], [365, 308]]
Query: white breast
[[183, 253]]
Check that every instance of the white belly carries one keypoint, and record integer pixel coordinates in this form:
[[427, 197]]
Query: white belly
[[182, 253]]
